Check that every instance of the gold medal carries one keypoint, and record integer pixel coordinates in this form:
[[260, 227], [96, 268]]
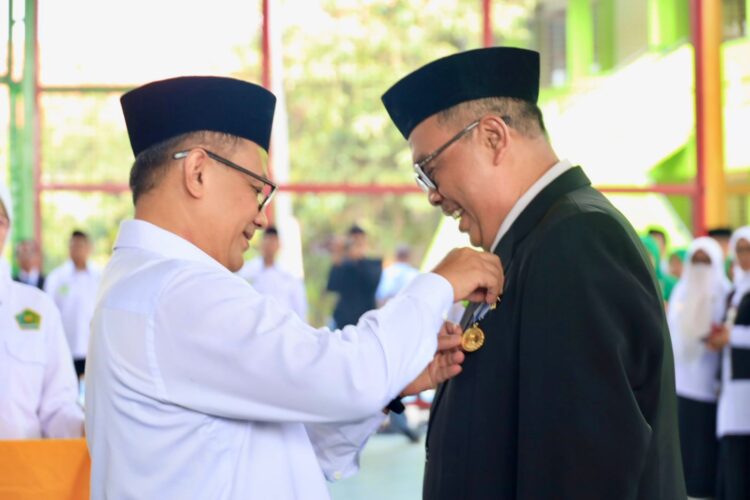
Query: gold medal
[[472, 339]]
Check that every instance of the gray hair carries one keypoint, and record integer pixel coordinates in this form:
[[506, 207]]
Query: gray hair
[[523, 116], [149, 166]]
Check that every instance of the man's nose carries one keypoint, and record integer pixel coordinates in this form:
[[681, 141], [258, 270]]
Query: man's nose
[[261, 220], [434, 197]]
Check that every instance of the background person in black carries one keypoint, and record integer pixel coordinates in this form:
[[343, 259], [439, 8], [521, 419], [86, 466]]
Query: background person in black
[[355, 278], [29, 260], [572, 395]]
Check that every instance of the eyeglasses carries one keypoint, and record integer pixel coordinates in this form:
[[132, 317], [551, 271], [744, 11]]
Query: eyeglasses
[[423, 180], [264, 194]]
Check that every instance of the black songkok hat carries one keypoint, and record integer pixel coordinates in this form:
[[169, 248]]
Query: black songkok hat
[[161, 110], [475, 74]]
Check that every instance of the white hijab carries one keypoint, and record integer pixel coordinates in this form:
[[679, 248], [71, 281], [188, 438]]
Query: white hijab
[[698, 300]]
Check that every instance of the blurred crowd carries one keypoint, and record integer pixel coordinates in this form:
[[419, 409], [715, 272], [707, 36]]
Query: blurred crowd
[[706, 290]]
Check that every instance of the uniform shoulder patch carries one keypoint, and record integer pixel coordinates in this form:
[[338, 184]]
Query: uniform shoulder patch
[[28, 319]]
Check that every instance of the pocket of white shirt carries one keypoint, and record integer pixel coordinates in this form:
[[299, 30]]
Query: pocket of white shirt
[[26, 350]]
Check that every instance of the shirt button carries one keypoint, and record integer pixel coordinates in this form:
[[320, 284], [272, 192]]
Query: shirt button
[[337, 475]]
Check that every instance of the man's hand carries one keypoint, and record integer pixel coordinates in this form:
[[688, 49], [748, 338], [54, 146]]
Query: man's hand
[[476, 276], [445, 365]]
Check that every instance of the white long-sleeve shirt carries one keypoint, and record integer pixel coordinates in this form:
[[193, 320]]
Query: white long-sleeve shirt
[[38, 386], [200, 387], [74, 292]]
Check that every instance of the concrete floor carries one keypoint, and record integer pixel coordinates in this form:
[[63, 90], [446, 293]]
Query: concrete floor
[[391, 467]]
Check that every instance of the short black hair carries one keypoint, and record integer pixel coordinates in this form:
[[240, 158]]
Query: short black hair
[[271, 231], [77, 233], [653, 231], [355, 229], [720, 232]]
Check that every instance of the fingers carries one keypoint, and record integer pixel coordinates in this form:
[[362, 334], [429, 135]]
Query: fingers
[[495, 278], [472, 273], [447, 361], [450, 337]]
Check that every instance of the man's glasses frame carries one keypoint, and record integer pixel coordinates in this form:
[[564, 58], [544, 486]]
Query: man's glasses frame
[[423, 180], [262, 203]]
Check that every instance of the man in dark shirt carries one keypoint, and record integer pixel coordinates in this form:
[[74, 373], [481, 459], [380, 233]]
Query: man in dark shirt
[[355, 279], [567, 391], [29, 264]]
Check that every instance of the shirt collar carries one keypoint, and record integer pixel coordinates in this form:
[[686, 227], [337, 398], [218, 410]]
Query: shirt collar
[[545, 180], [146, 236], [71, 268], [32, 275]]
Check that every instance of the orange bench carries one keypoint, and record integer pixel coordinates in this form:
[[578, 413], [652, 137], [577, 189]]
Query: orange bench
[[49, 469]]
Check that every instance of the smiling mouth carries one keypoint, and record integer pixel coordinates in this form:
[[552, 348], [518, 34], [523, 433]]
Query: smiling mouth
[[457, 213], [247, 234]]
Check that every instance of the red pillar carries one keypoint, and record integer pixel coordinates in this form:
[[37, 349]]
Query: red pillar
[[709, 206], [487, 23]]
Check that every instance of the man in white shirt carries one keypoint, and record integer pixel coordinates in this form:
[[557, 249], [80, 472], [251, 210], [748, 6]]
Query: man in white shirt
[[38, 389], [267, 277], [396, 276], [74, 286], [198, 385]]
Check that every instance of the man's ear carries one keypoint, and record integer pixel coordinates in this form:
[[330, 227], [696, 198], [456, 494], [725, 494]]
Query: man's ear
[[496, 135], [193, 171]]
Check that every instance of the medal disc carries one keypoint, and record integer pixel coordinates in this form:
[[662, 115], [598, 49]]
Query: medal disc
[[472, 339]]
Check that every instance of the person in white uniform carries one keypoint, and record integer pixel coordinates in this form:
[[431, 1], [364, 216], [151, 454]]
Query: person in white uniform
[[696, 309], [38, 387], [396, 276], [74, 286], [268, 278], [198, 385], [733, 419]]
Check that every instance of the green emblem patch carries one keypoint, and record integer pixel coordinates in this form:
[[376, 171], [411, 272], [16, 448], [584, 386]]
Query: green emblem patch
[[29, 319]]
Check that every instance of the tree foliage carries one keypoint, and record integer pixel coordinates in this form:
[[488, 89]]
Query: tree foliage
[[339, 57]]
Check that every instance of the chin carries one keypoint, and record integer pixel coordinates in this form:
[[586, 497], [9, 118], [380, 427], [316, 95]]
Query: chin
[[475, 240], [236, 263]]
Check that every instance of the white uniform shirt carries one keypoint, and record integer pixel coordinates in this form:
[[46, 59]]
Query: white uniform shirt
[[273, 281], [38, 386], [200, 387], [74, 292]]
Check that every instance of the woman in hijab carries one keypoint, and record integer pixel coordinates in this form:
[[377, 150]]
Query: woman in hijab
[[733, 421], [696, 308], [38, 387]]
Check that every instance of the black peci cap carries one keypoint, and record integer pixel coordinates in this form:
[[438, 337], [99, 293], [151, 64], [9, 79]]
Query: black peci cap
[[161, 110], [475, 74]]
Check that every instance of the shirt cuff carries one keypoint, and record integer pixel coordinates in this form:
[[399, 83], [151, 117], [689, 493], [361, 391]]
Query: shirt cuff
[[339, 446]]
